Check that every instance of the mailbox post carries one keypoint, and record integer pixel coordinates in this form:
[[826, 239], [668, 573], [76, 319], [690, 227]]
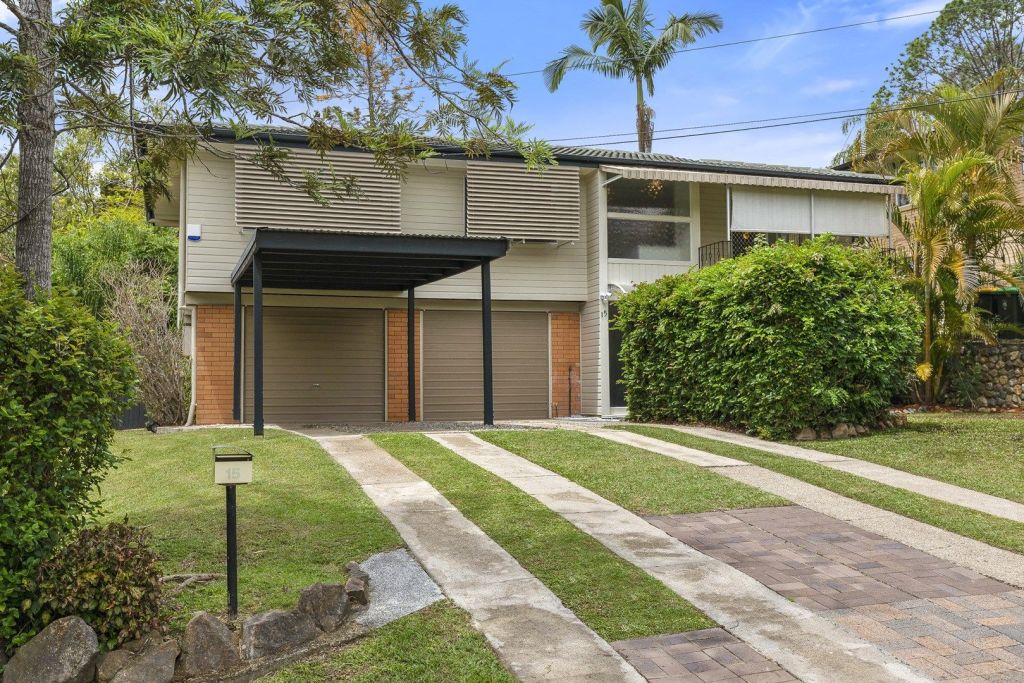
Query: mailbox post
[[232, 466]]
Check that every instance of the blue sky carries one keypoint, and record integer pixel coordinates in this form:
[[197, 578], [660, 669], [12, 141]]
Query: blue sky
[[808, 74]]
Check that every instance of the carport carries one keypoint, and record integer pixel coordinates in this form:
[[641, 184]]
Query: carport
[[376, 262]]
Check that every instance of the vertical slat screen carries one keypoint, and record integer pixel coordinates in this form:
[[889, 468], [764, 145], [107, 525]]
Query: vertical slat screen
[[506, 200]]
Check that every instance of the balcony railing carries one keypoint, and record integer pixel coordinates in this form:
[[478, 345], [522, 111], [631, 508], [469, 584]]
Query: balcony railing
[[710, 254]]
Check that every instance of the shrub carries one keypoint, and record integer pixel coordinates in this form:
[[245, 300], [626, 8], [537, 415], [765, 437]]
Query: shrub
[[139, 305], [782, 338], [62, 373], [109, 577]]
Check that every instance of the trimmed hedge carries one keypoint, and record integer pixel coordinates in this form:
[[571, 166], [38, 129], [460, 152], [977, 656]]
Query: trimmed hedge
[[782, 338]]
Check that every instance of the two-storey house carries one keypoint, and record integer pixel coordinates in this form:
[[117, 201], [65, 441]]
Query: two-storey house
[[574, 238]]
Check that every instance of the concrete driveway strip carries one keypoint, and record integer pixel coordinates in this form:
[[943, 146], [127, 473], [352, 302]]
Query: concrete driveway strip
[[537, 637], [950, 493], [810, 647], [996, 563]]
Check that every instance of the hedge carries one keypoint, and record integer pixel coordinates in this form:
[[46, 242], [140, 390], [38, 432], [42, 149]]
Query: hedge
[[782, 338], [63, 379]]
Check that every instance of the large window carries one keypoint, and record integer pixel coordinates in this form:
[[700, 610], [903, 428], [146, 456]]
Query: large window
[[649, 220]]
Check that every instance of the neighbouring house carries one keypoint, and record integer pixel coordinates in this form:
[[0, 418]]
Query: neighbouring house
[[334, 326]]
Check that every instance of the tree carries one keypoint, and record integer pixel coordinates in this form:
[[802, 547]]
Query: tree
[[950, 198], [157, 74], [968, 43], [633, 49]]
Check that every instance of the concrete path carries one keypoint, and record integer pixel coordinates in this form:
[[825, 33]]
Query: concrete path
[[996, 563], [950, 493], [536, 636], [808, 646]]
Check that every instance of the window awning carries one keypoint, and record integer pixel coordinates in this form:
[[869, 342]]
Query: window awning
[[647, 173], [329, 259]]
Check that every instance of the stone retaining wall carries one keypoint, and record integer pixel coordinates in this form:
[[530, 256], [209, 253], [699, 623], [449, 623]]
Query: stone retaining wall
[[1002, 374]]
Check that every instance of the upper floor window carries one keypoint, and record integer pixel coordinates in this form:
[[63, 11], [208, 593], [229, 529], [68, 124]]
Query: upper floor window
[[649, 220]]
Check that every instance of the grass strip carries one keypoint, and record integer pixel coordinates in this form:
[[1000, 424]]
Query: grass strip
[[638, 480], [435, 644], [299, 522], [616, 599], [980, 452], [995, 531]]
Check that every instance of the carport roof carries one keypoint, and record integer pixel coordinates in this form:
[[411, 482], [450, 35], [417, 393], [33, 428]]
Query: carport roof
[[328, 259]]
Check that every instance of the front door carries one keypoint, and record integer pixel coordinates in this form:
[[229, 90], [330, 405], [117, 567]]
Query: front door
[[618, 390]]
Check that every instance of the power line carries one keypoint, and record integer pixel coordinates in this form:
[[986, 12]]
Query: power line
[[779, 36], [763, 125]]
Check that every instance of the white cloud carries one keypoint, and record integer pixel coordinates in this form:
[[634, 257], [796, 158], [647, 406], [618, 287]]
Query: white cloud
[[916, 13], [800, 18], [830, 86]]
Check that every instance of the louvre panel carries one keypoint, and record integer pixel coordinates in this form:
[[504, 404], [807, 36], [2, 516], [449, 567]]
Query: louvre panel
[[261, 200], [504, 200]]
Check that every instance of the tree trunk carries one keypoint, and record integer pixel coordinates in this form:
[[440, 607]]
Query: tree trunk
[[36, 141], [644, 116]]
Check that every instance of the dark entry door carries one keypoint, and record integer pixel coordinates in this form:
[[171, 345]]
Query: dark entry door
[[618, 390]]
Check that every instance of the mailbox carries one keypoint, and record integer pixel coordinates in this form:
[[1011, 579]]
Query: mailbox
[[231, 466]]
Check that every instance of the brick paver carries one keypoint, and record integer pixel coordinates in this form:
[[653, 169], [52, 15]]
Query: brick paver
[[950, 622], [698, 656]]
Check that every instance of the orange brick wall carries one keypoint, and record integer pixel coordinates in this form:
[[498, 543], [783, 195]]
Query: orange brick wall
[[215, 327], [565, 364], [398, 366]]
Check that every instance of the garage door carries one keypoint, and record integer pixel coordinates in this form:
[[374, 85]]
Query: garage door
[[319, 365], [453, 365]]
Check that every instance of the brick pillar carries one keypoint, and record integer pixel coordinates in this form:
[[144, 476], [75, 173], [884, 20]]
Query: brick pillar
[[565, 364], [214, 357], [398, 364]]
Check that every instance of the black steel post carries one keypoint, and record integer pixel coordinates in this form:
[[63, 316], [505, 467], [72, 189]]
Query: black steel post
[[257, 344], [236, 399], [410, 341], [485, 302], [232, 553]]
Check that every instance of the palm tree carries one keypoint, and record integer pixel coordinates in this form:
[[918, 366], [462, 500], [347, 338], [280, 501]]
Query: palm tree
[[633, 49], [942, 271]]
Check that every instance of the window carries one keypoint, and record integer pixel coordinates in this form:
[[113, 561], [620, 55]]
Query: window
[[649, 220]]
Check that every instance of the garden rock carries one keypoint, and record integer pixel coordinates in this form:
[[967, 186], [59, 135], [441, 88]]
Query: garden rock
[[841, 431], [207, 646], [357, 590], [326, 605], [155, 665], [110, 664], [63, 652], [275, 632], [806, 434]]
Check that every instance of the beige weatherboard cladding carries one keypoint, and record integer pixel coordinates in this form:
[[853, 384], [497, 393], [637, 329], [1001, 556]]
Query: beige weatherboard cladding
[[504, 199], [261, 200]]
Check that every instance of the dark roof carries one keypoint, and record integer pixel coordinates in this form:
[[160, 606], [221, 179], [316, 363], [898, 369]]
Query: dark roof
[[327, 259], [593, 156]]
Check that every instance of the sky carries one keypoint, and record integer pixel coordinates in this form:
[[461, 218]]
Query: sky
[[800, 75]]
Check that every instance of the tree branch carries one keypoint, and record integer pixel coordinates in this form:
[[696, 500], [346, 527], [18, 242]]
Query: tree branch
[[16, 11], [7, 27]]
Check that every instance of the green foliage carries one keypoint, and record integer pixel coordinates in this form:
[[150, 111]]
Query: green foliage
[[87, 254], [782, 338], [109, 577], [968, 42], [63, 378]]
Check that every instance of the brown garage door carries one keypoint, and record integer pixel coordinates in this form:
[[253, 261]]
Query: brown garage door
[[319, 365], [453, 365]]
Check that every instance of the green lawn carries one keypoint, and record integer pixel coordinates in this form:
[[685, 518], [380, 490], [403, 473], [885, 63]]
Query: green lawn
[[638, 480], [615, 598], [995, 531], [300, 522], [436, 644], [976, 451]]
